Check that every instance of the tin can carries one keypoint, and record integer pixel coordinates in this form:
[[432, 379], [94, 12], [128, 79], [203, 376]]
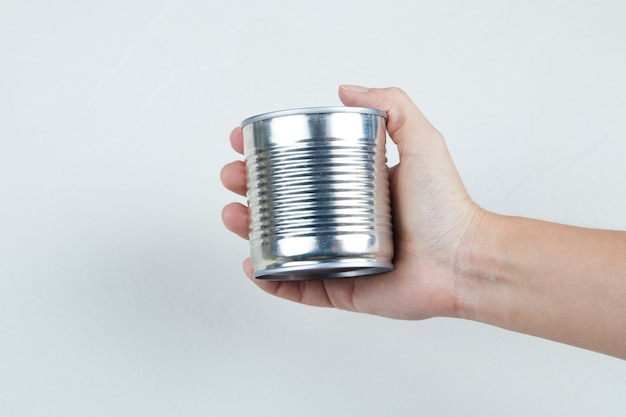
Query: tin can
[[318, 193]]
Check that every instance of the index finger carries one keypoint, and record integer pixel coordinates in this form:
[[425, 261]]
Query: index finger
[[236, 139]]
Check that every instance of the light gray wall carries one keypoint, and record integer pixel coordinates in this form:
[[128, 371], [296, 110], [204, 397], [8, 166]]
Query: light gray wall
[[122, 294]]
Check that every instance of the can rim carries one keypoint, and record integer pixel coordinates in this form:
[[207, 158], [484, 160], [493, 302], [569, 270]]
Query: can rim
[[313, 110], [343, 268]]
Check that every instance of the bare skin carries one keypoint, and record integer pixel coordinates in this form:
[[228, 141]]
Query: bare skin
[[455, 259]]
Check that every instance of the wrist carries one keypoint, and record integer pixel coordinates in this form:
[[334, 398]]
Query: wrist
[[480, 269]]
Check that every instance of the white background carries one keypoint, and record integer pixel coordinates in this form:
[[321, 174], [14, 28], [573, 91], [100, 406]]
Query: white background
[[121, 293]]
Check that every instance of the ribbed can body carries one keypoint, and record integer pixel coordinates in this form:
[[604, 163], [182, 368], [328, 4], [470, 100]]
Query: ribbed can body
[[318, 193]]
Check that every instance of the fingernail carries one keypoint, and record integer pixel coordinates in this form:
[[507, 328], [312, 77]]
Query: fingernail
[[355, 88]]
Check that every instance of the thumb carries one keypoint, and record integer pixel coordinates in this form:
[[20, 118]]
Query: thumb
[[405, 122]]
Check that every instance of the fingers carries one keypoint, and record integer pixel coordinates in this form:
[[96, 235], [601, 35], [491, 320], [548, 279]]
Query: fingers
[[405, 122], [247, 268], [233, 176], [235, 218], [236, 140]]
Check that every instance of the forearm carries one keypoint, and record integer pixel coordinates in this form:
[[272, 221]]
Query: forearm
[[549, 280]]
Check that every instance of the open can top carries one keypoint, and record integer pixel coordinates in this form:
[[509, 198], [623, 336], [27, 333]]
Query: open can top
[[313, 110]]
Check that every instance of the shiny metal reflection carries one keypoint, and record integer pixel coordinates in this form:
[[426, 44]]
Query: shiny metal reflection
[[318, 193]]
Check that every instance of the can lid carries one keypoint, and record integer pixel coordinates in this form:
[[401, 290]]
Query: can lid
[[313, 110]]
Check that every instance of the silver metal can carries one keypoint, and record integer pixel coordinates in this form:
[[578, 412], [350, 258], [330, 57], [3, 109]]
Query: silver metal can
[[318, 193]]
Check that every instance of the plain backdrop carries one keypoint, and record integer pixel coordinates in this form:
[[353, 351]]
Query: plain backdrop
[[121, 293]]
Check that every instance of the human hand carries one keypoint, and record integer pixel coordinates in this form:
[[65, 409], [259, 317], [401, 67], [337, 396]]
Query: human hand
[[432, 213]]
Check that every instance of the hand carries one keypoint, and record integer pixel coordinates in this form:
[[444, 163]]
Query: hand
[[432, 213]]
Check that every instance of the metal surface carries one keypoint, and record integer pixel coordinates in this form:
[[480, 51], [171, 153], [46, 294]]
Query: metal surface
[[318, 193]]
